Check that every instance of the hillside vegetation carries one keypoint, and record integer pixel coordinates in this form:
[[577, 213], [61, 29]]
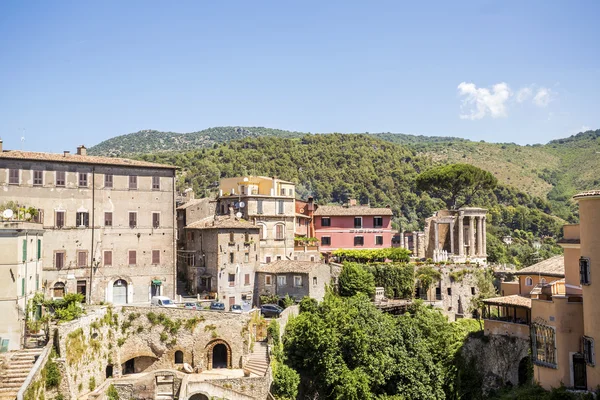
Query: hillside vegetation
[[554, 171]]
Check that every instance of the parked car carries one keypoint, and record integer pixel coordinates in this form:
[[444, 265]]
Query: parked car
[[236, 308], [192, 306], [271, 310], [215, 305], [162, 301]]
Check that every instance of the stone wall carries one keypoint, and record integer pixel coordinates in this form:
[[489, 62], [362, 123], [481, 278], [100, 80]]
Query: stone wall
[[495, 359], [150, 336]]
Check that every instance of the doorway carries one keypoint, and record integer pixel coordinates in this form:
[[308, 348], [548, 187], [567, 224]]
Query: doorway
[[120, 292], [109, 371], [579, 372], [154, 290], [129, 367], [231, 302], [82, 288], [219, 356]]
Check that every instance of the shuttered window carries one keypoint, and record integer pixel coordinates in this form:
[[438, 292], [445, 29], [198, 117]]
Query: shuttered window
[[133, 182], [60, 178], [155, 220], [82, 258], [155, 256], [39, 249], [132, 257], [132, 219], [24, 250], [107, 258], [59, 260], [60, 219], [156, 183]]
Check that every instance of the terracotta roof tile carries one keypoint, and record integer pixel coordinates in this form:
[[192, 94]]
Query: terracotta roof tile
[[588, 193], [554, 266], [77, 159], [350, 211], [514, 300]]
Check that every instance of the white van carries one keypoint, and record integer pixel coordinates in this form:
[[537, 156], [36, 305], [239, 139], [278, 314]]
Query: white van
[[162, 301]]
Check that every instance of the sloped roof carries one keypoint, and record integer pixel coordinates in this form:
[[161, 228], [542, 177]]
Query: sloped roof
[[589, 193], [513, 300], [194, 202], [351, 211], [289, 266], [554, 266], [221, 223], [75, 158]]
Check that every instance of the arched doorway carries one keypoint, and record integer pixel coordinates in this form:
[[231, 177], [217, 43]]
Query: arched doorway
[[120, 292], [179, 357], [109, 371], [199, 396], [525, 371], [219, 358], [218, 354]]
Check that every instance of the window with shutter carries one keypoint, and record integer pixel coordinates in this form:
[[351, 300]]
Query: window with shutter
[[246, 279], [588, 350], [377, 222], [279, 232], [155, 257], [584, 271], [38, 178], [133, 182], [39, 249], [155, 220], [83, 179], [259, 206], [83, 219], [108, 180], [359, 240], [107, 258], [60, 219], [132, 257], [132, 219], [358, 222], [156, 183], [82, 258], [60, 178], [325, 221], [280, 208], [24, 250], [13, 177], [108, 219], [59, 259]]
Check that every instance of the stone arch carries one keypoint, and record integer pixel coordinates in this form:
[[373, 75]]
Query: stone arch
[[525, 372], [210, 349], [528, 281], [199, 396], [178, 357], [110, 285], [58, 287]]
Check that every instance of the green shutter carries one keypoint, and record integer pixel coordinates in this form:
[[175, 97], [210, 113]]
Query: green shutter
[[24, 250], [39, 248], [22, 286]]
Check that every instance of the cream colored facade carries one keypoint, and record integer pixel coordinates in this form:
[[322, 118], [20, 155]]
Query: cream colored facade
[[20, 278], [107, 221], [269, 203]]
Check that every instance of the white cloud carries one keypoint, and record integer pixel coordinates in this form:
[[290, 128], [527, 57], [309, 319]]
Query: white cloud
[[480, 102], [543, 97], [524, 94]]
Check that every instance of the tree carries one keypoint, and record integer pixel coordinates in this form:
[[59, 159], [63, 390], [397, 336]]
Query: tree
[[285, 382], [456, 184], [356, 279]]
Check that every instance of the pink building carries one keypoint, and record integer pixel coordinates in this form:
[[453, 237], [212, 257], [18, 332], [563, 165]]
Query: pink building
[[353, 227]]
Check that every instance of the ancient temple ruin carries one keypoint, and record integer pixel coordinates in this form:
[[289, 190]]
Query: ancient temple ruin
[[457, 235]]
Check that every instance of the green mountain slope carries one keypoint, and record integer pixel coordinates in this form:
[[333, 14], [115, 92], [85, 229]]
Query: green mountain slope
[[554, 171], [150, 141]]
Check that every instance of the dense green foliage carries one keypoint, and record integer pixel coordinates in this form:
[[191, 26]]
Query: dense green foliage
[[66, 309], [397, 279], [347, 349], [355, 279], [455, 184], [285, 382], [395, 254], [528, 392]]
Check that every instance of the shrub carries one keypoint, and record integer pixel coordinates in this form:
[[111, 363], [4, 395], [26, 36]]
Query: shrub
[[285, 382], [92, 384], [274, 331], [112, 393]]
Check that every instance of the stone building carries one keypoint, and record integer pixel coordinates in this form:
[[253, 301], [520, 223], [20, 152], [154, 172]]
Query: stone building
[[413, 241], [270, 204], [457, 235], [108, 221], [222, 254], [21, 277], [295, 278]]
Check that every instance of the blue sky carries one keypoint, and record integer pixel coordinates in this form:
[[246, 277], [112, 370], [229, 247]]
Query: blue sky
[[504, 71]]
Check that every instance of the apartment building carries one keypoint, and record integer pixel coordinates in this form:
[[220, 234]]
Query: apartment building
[[109, 222], [221, 256], [353, 227], [20, 277], [269, 203]]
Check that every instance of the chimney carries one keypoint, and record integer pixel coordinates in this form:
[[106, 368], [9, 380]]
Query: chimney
[[352, 202], [81, 150], [1, 146], [231, 212], [66, 153]]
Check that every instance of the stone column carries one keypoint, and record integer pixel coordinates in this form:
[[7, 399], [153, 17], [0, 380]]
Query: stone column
[[484, 242], [471, 236], [479, 236], [402, 240], [461, 230], [451, 238], [436, 236]]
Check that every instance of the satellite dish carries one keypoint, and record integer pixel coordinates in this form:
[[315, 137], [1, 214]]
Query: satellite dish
[[238, 214], [242, 204], [8, 213]]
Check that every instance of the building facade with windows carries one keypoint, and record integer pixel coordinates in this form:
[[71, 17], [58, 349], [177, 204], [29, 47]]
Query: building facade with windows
[[109, 222], [21, 278], [269, 203], [222, 254], [296, 279], [353, 227]]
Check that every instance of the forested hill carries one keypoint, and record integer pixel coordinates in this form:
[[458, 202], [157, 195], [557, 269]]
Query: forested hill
[[554, 171], [150, 141], [336, 167]]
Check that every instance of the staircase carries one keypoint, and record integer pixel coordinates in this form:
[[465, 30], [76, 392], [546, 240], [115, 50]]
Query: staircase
[[17, 369], [258, 363]]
